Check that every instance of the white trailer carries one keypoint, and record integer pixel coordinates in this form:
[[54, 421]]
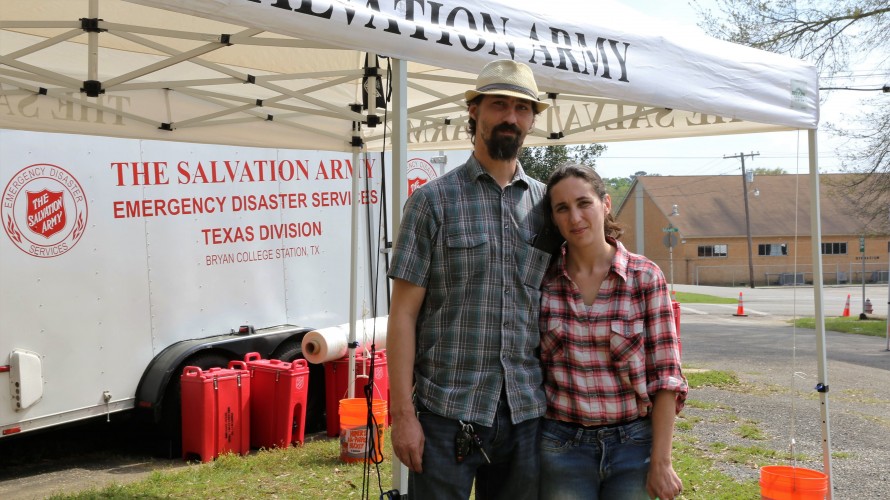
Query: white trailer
[[122, 261]]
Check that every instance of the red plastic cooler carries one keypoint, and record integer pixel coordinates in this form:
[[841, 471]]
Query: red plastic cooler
[[336, 380], [277, 401], [215, 411]]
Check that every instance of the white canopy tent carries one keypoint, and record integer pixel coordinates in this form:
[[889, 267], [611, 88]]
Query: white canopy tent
[[259, 74], [279, 73]]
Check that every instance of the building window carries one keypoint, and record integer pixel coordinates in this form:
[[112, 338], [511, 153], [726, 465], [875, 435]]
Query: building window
[[834, 249], [712, 250], [772, 249]]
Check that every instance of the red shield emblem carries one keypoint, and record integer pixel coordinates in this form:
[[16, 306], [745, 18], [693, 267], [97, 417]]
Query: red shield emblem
[[46, 212], [414, 183]]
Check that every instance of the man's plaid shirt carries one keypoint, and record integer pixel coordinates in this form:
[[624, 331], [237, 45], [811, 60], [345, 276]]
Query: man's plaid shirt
[[469, 243]]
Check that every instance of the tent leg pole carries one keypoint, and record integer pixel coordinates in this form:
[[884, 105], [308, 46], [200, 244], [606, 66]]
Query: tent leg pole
[[821, 359], [400, 194]]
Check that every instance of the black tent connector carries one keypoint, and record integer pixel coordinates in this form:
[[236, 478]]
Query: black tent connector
[[42, 91], [224, 38], [373, 121], [552, 95], [259, 103], [92, 88], [356, 141], [90, 25], [251, 79], [269, 118], [447, 121], [355, 108], [556, 135], [166, 126]]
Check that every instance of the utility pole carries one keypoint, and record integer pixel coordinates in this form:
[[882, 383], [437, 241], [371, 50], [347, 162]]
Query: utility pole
[[742, 156]]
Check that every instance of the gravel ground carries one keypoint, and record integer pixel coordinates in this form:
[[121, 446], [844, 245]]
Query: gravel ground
[[778, 396]]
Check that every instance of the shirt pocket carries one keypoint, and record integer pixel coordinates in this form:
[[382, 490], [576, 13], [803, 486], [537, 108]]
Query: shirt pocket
[[533, 263], [467, 255], [553, 340], [626, 340]]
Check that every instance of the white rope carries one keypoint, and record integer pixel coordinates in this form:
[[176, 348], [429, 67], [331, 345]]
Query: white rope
[[794, 372]]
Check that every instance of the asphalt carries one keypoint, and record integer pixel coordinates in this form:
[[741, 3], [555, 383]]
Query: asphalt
[[791, 301]]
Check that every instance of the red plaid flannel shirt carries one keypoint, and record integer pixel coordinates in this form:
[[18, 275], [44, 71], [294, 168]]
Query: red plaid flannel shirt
[[604, 363]]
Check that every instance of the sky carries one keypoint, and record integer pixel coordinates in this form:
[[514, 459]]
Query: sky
[[705, 156]]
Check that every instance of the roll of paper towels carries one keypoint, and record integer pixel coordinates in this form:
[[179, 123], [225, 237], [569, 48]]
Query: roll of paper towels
[[331, 343]]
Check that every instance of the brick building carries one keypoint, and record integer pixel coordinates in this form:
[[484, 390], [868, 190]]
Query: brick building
[[695, 229]]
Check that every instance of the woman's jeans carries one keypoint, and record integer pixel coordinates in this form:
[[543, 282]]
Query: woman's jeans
[[608, 463]]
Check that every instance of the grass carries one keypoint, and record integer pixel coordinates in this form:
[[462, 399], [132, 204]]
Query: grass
[[311, 471], [314, 470], [700, 298], [749, 430], [711, 378], [874, 327], [755, 456], [703, 405], [702, 480]]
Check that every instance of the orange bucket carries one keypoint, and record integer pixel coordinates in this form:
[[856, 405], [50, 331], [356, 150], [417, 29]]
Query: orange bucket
[[780, 482], [354, 443]]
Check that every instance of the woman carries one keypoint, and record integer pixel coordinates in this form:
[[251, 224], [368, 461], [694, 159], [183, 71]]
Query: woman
[[610, 353]]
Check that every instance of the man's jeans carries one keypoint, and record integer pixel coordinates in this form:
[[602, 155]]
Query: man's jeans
[[608, 463], [513, 449]]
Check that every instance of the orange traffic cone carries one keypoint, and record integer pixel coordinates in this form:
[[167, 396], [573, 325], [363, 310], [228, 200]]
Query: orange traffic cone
[[847, 307], [741, 309]]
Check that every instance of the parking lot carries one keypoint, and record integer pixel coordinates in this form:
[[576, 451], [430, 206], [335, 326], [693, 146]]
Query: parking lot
[[791, 301]]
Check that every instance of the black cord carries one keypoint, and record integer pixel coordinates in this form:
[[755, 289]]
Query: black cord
[[383, 199], [372, 426]]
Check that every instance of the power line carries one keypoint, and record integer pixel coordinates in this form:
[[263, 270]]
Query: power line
[[885, 88]]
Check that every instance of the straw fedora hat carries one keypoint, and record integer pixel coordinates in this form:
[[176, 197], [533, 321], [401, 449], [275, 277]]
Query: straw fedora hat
[[510, 78]]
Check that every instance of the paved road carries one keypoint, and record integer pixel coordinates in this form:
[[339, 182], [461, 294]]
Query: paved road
[[765, 336], [789, 301]]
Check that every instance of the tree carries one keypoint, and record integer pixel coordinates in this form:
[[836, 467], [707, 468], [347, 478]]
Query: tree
[[618, 188], [769, 171], [539, 162], [833, 35]]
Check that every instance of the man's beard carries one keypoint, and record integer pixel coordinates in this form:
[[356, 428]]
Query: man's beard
[[504, 147]]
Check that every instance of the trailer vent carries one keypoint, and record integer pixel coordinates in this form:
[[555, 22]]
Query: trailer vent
[[25, 378]]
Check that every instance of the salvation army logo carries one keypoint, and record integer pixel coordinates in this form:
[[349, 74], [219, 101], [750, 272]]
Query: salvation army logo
[[420, 172], [44, 210]]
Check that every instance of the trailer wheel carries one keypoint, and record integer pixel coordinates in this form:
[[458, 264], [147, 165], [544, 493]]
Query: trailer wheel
[[171, 406], [316, 421]]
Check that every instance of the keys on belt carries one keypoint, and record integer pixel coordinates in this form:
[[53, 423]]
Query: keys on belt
[[465, 441]]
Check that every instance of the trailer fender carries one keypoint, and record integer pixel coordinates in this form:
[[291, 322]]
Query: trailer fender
[[169, 363]]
